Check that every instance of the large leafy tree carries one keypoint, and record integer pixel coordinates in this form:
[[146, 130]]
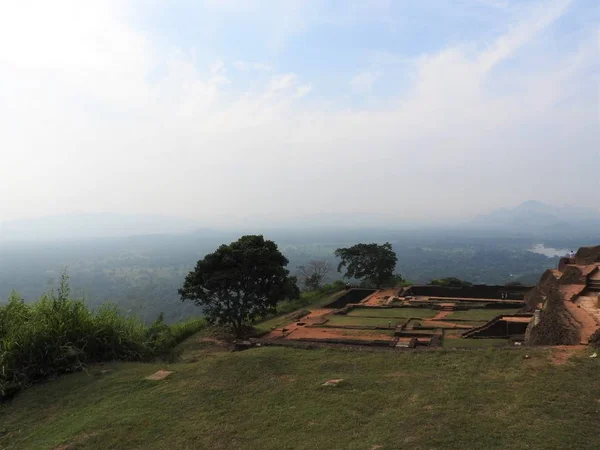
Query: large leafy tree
[[240, 282], [372, 263]]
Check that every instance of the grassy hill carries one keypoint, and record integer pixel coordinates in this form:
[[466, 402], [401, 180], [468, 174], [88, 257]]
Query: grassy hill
[[273, 398]]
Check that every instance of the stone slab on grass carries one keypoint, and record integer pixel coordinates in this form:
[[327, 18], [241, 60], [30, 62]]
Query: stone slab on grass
[[160, 375]]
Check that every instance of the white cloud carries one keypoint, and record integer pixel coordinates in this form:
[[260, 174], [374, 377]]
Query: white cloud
[[97, 116], [362, 83], [280, 82], [522, 33], [302, 91], [217, 71], [500, 4], [247, 66]]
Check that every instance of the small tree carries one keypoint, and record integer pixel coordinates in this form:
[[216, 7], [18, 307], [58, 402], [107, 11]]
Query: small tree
[[240, 282], [313, 274], [372, 263], [64, 288]]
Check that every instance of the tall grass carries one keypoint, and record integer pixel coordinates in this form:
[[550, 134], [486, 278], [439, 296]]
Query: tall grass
[[184, 330], [60, 335]]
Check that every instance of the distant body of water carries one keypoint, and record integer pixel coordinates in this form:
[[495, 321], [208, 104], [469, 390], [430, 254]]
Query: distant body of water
[[549, 251]]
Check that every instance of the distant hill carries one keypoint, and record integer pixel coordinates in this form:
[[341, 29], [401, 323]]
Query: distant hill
[[535, 216], [91, 225]]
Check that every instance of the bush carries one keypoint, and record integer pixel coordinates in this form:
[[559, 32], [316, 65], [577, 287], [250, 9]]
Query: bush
[[57, 335], [182, 331]]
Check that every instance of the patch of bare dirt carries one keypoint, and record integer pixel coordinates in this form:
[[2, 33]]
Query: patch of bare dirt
[[441, 315], [337, 333], [561, 353]]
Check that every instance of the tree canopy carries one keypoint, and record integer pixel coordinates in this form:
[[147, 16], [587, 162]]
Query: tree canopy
[[372, 263], [240, 282], [451, 282]]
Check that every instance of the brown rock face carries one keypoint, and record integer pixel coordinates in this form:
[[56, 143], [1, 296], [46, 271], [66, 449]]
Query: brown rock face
[[556, 326]]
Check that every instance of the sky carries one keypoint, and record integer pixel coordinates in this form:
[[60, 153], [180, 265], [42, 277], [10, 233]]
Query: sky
[[237, 110]]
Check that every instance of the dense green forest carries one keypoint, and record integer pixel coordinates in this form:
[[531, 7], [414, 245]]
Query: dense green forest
[[141, 274]]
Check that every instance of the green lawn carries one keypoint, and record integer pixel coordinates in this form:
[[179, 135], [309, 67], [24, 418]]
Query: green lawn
[[474, 343], [438, 324], [335, 319], [479, 314], [273, 398], [453, 332], [421, 313]]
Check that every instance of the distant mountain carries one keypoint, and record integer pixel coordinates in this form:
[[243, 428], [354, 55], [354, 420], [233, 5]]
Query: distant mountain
[[535, 216], [88, 225]]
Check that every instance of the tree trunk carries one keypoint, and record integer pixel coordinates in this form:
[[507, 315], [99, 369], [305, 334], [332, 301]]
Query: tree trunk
[[238, 328]]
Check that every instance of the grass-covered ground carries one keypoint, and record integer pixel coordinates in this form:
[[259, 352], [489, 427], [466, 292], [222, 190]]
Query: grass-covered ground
[[479, 314], [336, 319], [416, 323], [273, 398], [474, 343], [406, 313]]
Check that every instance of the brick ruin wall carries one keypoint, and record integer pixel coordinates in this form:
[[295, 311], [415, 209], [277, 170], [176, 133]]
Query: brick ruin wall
[[556, 325]]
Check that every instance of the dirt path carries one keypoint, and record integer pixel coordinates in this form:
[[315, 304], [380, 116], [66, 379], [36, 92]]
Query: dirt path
[[442, 315]]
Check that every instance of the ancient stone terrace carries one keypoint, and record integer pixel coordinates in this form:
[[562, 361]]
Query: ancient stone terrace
[[416, 316], [566, 300]]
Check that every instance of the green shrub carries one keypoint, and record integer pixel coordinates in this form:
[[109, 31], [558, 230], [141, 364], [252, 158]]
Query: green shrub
[[57, 335], [182, 331]]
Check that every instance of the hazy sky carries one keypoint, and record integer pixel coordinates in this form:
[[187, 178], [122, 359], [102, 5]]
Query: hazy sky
[[221, 110]]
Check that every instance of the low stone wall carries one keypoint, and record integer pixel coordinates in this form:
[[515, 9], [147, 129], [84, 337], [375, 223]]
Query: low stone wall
[[475, 291], [587, 255], [352, 296]]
